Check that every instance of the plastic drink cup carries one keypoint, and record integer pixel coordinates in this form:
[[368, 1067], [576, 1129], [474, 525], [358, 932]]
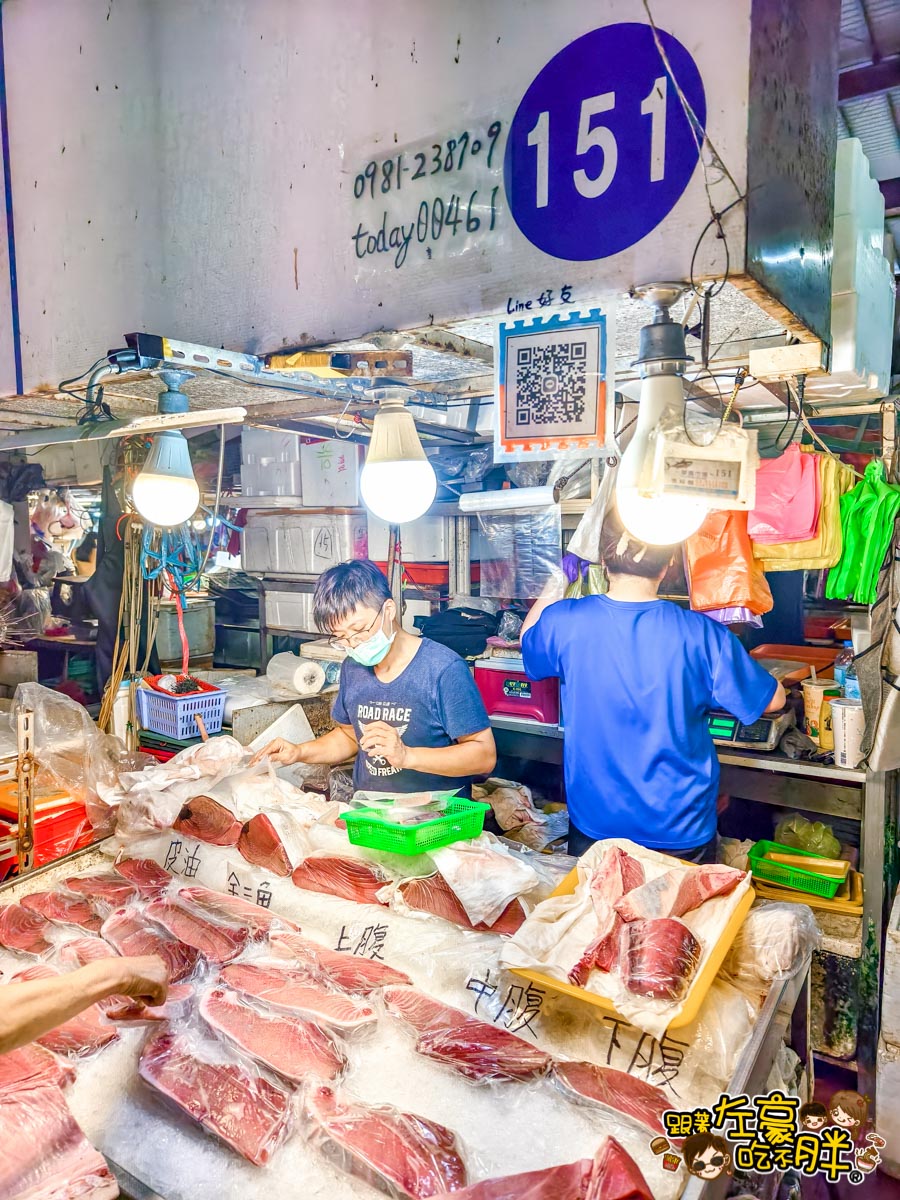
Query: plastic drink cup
[[849, 726], [826, 728], [814, 692]]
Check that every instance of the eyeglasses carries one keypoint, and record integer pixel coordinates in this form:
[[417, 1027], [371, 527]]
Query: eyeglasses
[[355, 639], [717, 1160]]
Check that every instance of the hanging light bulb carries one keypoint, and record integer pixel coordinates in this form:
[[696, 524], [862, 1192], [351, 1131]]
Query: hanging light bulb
[[397, 482], [165, 492], [660, 520]]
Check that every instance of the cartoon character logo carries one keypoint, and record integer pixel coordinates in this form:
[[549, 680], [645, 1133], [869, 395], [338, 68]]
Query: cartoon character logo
[[849, 1110], [707, 1155], [813, 1116]]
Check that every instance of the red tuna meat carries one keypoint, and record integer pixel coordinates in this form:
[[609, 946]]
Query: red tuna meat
[[659, 958], [231, 910], [65, 910], [616, 1176], [616, 1090], [23, 930], [290, 1046], [348, 878], [400, 1153], [32, 1065], [125, 1010], [473, 1048], [299, 993], [616, 875], [434, 895], [132, 935], [217, 943], [44, 1154], [81, 951], [347, 972], [260, 845], [147, 876], [83, 1034], [247, 1111], [107, 887], [569, 1182], [678, 891], [208, 821]]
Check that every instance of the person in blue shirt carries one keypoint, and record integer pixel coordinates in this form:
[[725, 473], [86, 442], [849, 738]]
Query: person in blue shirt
[[407, 708], [638, 676]]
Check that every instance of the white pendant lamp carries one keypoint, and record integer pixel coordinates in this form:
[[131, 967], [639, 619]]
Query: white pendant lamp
[[165, 493], [397, 483]]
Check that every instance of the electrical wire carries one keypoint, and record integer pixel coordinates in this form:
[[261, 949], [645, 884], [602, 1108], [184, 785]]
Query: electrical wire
[[215, 512]]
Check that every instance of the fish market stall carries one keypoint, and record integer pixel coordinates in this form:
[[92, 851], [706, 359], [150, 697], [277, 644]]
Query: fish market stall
[[363, 1020]]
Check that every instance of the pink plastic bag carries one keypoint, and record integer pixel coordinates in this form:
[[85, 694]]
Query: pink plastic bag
[[788, 499]]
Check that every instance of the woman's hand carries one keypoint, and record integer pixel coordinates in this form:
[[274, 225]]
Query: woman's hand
[[279, 751], [380, 740], [145, 978]]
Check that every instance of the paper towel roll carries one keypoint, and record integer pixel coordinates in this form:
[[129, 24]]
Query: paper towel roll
[[309, 678], [290, 674]]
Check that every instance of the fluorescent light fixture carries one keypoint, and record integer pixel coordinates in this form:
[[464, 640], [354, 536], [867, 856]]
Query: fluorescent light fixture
[[397, 483]]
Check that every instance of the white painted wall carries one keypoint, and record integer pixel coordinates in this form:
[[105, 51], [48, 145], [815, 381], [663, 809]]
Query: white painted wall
[[213, 149]]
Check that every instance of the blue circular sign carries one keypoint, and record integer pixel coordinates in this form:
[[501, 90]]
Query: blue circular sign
[[600, 148]]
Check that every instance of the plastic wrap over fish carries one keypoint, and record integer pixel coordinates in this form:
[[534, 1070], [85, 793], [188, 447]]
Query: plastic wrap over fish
[[774, 941]]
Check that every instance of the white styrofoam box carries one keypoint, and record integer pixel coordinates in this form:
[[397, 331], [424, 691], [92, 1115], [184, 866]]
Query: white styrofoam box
[[887, 1104], [296, 543], [862, 327], [858, 254], [290, 611], [890, 992], [855, 191], [424, 540], [269, 445], [330, 472], [271, 478]]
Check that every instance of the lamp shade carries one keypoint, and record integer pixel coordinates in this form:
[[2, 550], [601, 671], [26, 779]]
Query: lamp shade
[[165, 492], [397, 482]]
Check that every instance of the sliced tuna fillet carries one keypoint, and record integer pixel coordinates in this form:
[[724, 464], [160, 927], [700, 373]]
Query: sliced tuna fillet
[[245, 1109], [474, 1048], [32, 1065], [23, 930], [43, 1153], [125, 1010], [615, 1090], [434, 895], [147, 876], [659, 958], [260, 844], [208, 821], [106, 886], [290, 1046], [569, 1182], [678, 891], [130, 935], [616, 1176], [80, 951], [402, 1154], [64, 910], [299, 993], [349, 878], [217, 943], [616, 874], [81, 1035], [348, 972], [231, 910]]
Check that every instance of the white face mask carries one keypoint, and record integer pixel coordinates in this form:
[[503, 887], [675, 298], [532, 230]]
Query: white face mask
[[373, 651]]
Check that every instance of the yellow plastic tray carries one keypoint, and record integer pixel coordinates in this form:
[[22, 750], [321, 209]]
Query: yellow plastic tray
[[848, 899], [697, 993]]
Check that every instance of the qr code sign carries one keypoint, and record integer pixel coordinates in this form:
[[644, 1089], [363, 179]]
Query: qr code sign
[[551, 383], [552, 379]]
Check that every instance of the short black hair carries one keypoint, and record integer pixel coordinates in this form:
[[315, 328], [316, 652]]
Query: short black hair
[[86, 547], [698, 1143], [343, 588], [623, 554], [813, 1109]]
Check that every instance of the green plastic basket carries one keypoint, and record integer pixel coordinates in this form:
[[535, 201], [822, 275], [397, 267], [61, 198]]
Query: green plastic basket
[[373, 828], [790, 877]]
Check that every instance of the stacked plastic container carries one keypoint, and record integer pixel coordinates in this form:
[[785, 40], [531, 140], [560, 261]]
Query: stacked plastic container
[[270, 463]]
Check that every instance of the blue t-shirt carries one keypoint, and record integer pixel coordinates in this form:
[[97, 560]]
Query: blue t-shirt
[[433, 702], [637, 681]]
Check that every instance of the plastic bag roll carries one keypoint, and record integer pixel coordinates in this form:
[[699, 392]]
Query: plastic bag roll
[[507, 500], [300, 676]]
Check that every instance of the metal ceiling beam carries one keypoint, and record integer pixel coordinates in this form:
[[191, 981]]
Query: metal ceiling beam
[[870, 80]]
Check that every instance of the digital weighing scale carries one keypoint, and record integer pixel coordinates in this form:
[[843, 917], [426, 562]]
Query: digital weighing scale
[[764, 734]]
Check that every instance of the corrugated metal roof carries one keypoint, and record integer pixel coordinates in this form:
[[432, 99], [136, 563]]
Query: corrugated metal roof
[[873, 119]]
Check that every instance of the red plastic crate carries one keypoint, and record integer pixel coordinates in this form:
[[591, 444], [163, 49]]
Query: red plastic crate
[[510, 693], [56, 834]]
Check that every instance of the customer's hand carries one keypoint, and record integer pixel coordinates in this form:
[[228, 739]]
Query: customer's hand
[[380, 740], [279, 751], [145, 978]]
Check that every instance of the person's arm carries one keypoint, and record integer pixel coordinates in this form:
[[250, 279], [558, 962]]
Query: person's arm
[[740, 685], [779, 700], [29, 1010], [554, 589], [474, 754], [329, 750]]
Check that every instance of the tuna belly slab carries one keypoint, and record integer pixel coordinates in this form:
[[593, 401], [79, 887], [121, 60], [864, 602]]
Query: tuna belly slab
[[150, 879], [347, 972], [616, 1090], [349, 878], [678, 891], [659, 958], [208, 821], [434, 895], [292, 1047], [23, 930], [473, 1048], [217, 943], [64, 910], [131, 935], [230, 910], [30, 1066], [299, 993], [106, 886]]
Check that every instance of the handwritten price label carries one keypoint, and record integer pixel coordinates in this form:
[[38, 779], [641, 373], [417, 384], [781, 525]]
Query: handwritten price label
[[430, 200]]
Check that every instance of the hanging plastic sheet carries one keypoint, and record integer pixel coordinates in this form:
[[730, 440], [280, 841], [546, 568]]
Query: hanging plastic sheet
[[868, 514], [788, 495], [722, 572], [522, 531], [824, 549]]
